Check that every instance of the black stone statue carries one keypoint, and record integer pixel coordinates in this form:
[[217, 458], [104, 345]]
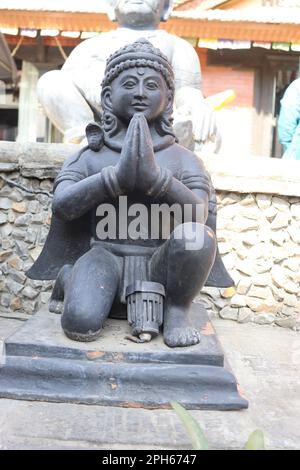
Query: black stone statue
[[103, 257]]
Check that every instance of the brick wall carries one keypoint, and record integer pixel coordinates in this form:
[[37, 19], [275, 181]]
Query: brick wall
[[217, 78], [235, 121]]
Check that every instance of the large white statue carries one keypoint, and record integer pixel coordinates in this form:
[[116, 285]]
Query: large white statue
[[71, 96]]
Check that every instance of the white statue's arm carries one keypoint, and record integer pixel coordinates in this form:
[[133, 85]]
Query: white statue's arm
[[189, 100], [186, 64], [86, 64]]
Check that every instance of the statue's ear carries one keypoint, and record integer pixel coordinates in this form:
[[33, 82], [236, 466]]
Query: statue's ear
[[110, 9], [168, 6], [169, 107], [106, 98]]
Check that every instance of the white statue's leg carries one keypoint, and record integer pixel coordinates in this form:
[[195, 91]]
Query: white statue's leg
[[190, 104], [64, 105]]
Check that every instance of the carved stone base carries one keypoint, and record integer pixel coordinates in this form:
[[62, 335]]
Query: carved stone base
[[42, 364]]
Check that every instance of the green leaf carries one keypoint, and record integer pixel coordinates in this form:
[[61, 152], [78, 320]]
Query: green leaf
[[199, 441], [256, 441]]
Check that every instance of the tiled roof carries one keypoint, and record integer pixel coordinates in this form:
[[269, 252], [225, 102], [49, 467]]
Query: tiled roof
[[272, 15], [177, 3], [260, 24], [201, 4], [84, 6]]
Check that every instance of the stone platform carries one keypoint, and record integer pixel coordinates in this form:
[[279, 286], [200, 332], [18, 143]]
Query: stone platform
[[41, 363]]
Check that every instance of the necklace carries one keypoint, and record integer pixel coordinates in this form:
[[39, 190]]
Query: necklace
[[164, 142]]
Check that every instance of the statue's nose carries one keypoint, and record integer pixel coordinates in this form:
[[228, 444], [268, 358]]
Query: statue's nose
[[140, 91]]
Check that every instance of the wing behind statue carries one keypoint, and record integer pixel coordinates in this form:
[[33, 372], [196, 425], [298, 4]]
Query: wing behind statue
[[66, 242], [218, 276], [196, 177]]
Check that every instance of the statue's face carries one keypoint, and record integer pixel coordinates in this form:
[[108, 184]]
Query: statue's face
[[139, 13], [139, 90]]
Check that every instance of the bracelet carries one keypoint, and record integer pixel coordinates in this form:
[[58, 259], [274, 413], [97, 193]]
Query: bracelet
[[110, 181], [162, 184]]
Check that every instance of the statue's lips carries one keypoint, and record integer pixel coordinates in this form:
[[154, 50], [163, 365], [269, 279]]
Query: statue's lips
[[139, 106]]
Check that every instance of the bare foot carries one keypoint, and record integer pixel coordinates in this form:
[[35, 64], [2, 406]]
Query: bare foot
[[178, 332], [56, 306]]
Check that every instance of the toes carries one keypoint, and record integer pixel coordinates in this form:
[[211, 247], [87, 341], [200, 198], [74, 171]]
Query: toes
[[56, 306], [181, 338]]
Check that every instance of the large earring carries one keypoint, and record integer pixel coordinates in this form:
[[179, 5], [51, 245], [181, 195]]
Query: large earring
[[169, 107], [95, 136], [110, 123], [168, 6], [109, 120]]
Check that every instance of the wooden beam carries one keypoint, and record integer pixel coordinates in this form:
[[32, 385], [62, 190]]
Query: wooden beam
[[40, 49], [240, 30], [47, 40], [64, 21], [200, 4], [210, 4]]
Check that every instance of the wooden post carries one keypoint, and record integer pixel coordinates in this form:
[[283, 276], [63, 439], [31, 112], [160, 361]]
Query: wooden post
[[28, 104]]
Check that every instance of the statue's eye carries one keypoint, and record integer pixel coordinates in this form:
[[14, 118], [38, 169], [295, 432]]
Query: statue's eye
[[151, 85], [129, 84]]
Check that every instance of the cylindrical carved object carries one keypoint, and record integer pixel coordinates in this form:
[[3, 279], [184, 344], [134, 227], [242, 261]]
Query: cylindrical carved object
[[145, 305]]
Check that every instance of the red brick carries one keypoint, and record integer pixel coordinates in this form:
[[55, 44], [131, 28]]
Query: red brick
[[216, 79]]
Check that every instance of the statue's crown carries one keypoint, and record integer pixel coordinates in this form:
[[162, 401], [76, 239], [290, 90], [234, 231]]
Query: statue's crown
[[141, 53]]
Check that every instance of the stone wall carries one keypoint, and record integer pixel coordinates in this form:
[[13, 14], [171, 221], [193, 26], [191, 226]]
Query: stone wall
[[258, 233], [259, 239], [26, 180], [24, 224]]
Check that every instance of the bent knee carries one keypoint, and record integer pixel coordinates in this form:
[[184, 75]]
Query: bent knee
[[51, 82], [193, 236], [53, 77], [78, 319]]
